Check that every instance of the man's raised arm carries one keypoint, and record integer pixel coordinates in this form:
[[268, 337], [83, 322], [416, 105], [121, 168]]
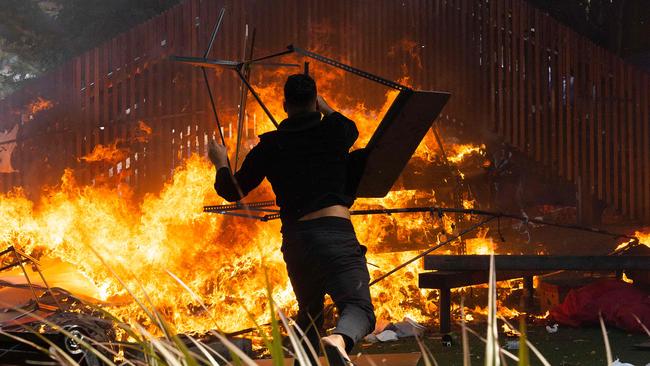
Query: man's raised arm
[[252, 173], [349, 128]]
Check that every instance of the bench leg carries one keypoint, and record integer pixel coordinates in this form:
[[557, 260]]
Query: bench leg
[[529, 293], [445, 310]]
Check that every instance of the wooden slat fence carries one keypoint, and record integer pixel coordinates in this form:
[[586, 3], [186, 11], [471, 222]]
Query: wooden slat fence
[[579, 111]]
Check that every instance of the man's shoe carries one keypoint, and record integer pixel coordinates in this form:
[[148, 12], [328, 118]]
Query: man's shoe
[[334, 355]]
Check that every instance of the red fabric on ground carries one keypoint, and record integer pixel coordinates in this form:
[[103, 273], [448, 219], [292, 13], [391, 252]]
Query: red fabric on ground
[[616, 300]]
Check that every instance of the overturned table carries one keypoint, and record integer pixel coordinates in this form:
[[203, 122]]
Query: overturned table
[[453, 271]]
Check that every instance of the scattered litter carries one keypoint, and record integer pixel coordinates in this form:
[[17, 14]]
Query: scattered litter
[[371, 338], [394, 331], [552, 328], [619, 363], [406, 328], [387, 336], [512, 344]]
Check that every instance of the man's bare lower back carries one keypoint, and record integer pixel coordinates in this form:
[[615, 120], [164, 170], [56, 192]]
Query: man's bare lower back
[[331, 211]]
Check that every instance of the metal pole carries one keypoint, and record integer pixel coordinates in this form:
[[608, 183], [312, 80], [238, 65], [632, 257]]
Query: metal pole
[[257, 98], [473, 227], [31, 286], [214, 32]]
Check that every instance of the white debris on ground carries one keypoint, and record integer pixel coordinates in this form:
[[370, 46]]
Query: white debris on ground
[[385, 336], [512, 344], [619, 363], [394, 331], [552, 329]]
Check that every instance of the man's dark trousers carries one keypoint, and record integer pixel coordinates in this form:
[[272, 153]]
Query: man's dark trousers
[[323, 256]]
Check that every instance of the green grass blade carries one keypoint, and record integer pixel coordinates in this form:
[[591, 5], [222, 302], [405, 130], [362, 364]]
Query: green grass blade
[[276, 345], [303, 338], [492, 354], [150, 315], [170, 356], [608, 349], [503, 351], [299, 350], [537, 353], [234, 349], [465, 340], [641, 324], [24, 341], [54, 348], [427, 356], [205, 352], [524, 357], [236, 360], [58, 328]]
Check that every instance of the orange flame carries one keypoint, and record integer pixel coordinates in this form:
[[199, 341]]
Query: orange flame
[[106, 153], [460, 152], [143, 132], [643, 236], [39, 105]]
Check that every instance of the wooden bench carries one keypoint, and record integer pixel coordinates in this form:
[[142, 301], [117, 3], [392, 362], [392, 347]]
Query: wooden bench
[[453, 271]]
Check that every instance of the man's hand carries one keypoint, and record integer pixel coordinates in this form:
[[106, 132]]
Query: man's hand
[[323, 107], [217, 154]]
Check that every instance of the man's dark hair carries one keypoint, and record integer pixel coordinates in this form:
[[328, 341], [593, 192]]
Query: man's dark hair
[[299, 90]]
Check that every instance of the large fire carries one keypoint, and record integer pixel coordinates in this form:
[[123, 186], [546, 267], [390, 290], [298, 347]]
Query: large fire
[[89, 236]]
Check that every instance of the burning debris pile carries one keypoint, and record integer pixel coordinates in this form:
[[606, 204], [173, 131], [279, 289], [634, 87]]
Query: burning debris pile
[[92, 237]]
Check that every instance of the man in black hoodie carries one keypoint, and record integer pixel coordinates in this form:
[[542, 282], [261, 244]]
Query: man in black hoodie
[[305, 161]]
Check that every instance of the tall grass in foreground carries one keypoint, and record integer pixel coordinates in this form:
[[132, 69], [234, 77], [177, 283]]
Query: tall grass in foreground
[[171, 350]]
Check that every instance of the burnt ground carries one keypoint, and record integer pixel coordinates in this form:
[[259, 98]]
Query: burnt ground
[[567, 347]]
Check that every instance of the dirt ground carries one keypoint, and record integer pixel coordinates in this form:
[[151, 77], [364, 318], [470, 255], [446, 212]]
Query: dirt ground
[[567, 347]]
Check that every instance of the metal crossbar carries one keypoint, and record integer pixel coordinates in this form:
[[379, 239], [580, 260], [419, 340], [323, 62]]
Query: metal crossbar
[[430, 209], [237, 206], [20, 259], [348, 68]]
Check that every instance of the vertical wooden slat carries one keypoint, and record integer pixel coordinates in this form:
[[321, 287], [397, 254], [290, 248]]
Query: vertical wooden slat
[[593, 88], [525, 78], [538, 70], [491, 55], [638, 151], [631, 141], [621, 142], [566, 129], [4, 126], [610, 118], [556, 92], [616, 126], [582, 111], [601, 104], [546, 92], [508, 71], [645, 110], [500, 5], [580, 114], [622, 139]]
